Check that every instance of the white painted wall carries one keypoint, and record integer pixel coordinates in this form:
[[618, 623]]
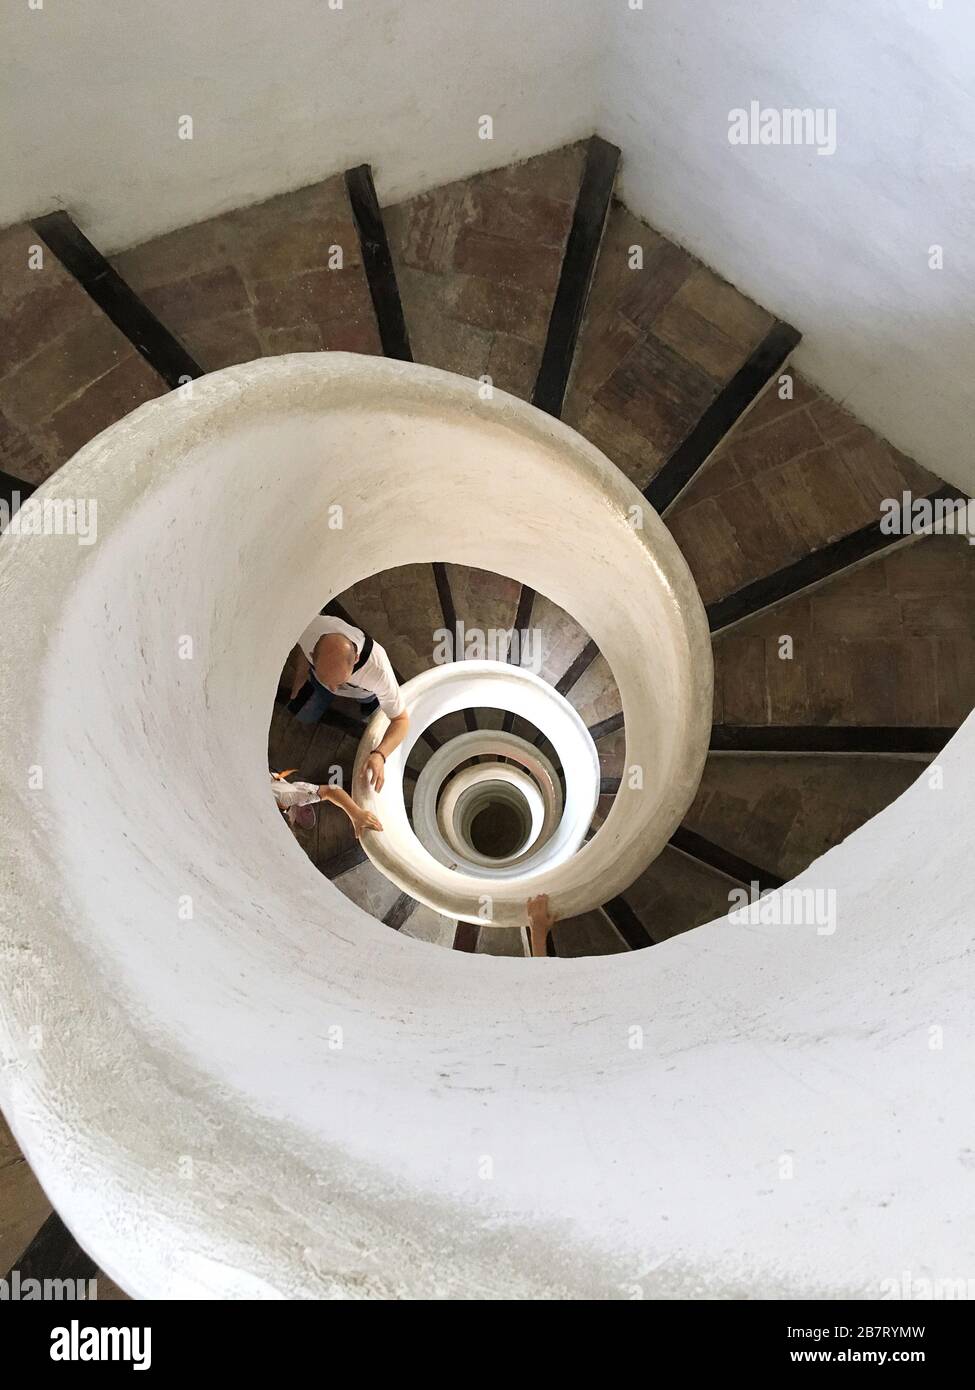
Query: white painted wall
[[281, 95], [837, 245], [284, 96]]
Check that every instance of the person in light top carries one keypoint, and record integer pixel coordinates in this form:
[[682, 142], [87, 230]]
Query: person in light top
[[332, 659], [297, 802]]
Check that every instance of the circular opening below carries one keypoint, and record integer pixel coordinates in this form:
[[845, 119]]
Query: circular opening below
[[497, 830]]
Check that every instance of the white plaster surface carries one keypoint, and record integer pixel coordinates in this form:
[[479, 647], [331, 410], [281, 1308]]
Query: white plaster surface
[[480, 788], [279, 96], [574, 881], [477, 788], [838, 245], [175, 1083], [483, 743]]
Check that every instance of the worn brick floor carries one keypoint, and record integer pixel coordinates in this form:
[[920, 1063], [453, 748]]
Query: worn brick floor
[[261, 280], [893, 642], [781, 813], [659, 341], [66, 372], [793, 476], [478, 261]]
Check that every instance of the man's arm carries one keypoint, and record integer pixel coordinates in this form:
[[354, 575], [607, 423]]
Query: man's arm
[[376, 762]]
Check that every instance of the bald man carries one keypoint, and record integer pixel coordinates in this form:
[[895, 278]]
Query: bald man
[[333, 659]]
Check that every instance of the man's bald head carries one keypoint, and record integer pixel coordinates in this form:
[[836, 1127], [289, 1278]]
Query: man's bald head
[[335, 655]]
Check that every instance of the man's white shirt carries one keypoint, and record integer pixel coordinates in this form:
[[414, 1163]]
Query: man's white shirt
[[374, 678]]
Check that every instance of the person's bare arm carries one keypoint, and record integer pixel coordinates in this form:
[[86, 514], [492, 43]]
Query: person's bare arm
[[376, 762], [360, 818], [540, 923]]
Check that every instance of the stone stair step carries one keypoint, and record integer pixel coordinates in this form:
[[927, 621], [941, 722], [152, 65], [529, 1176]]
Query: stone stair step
[[502, 941], [784, 812], [424, 924], [677, 893], [658, 343], [589, 934], [261, 280], [369, 889], [793, 476], [66, 371], [477, 263], [892, 642]]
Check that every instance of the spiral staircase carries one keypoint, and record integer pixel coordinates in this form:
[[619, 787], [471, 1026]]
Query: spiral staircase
[[844, 659]]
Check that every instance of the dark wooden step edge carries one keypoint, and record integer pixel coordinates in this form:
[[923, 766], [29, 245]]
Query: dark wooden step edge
[[10, 485], [53, 1254], [117, 300], [377, 262], [572, 293], [466, 937], [716, 857], [11, 488], [606, 726], [627, 924], [523, 617], [721, 416], [819, 566], [578, 668], [575, 279], [401, 911], [893, 740]]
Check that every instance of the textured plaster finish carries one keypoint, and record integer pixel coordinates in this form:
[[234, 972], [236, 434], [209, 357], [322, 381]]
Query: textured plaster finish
[[839, 244], [185, 1109], [277, 101], [574, 882]]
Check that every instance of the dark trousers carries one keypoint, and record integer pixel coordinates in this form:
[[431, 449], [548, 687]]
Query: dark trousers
[[309, 710]]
